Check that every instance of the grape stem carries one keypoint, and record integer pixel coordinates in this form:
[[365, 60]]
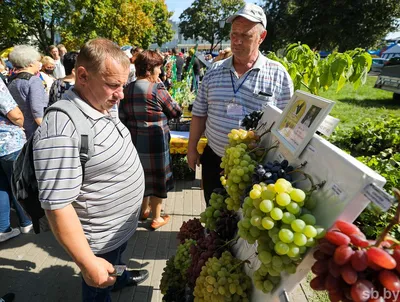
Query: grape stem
[[309, 177], [256, 149], [229, 242], [266, 150], [306, 176], [259, 127], [240, 263], [393, 222], [302, 165], [276, 145], [268, 130]]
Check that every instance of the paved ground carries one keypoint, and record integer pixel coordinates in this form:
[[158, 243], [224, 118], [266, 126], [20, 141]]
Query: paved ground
[[37, 269]]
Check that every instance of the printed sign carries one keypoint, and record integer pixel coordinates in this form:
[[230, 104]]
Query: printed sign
[[300, 119], [378, 196], [328, 125]]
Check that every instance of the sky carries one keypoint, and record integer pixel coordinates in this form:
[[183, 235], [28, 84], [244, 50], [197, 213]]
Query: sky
[[178, 6]]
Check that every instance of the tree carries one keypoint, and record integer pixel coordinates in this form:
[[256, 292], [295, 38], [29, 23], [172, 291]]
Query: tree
[[138, 22], [163, 28], [201, 19], [325, 24], [277, 14], [26, 19]]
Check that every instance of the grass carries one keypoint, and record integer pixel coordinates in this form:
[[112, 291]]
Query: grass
[[354, 106]]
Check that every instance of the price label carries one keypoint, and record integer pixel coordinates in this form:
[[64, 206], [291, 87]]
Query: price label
[[280, 157], [338, 191], [328, 125], [311, 148], [378, 196]]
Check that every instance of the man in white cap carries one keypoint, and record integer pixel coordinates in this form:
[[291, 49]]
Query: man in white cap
[[232, 88]]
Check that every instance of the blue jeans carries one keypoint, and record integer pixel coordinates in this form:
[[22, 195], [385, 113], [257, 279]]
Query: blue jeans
[[6, 196], [94, 294]]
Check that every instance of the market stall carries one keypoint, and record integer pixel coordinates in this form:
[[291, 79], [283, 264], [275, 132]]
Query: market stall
[[346, 192]]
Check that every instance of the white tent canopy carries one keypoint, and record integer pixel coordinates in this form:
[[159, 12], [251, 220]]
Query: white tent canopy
[[392, 52]]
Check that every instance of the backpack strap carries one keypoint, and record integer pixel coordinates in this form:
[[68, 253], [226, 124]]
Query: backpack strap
[[21, 75], [85, 133]]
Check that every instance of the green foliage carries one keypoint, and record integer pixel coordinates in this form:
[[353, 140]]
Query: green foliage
[[138, 22], [182, 94], [163, 29], [376, 143], [371, 137], [200, 20], [307, 69], [329, 25], [39, 19]]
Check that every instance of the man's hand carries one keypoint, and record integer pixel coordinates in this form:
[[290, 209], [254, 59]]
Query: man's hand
[[193, 158], [97, 273]]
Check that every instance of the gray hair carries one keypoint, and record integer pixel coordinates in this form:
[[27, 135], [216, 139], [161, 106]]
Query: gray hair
[[94, 53], [23, 55], [260, 28]]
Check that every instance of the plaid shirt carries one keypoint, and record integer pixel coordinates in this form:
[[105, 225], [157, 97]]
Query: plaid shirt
[[145, 111]]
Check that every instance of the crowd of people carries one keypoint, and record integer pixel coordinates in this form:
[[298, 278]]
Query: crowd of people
[[94, 209]]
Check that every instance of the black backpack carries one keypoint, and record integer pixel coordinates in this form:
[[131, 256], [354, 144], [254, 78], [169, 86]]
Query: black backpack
[[23, 181], [57, 90]]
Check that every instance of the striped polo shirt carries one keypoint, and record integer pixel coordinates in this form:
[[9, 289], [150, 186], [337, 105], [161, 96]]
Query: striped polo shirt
[[108, 200], [267, 82]]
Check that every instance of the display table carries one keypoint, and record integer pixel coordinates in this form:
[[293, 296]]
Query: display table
[[179, 143], [342, 197]]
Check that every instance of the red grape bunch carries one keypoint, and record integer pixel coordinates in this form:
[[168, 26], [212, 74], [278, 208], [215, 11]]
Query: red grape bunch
[[191, 229], [207, 247], [352, 268]]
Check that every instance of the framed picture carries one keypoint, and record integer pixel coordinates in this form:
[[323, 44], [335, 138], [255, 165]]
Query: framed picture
[[300, 119]]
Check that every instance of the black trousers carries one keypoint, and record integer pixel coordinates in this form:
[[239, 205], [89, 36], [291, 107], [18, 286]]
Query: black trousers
[[210, 172]]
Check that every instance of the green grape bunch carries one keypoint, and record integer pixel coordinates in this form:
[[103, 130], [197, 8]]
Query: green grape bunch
[[238, 163], [171, 278], [212, 213], [182, 259], [275, 217], [223, 279]]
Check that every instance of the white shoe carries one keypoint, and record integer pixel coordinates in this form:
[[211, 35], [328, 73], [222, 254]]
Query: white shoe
[[8, 235], [27, 229]]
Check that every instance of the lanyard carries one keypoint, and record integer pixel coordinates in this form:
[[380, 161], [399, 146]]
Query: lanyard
[[233, 84]]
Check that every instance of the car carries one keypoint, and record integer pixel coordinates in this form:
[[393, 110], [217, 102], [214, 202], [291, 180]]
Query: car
[[393, 61], [377, 64]]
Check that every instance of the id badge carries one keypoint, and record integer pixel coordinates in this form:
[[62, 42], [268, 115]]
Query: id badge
[[234, 109]]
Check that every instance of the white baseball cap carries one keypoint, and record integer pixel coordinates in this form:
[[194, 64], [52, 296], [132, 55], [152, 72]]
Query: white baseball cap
[[128, 53], [251, 12]]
